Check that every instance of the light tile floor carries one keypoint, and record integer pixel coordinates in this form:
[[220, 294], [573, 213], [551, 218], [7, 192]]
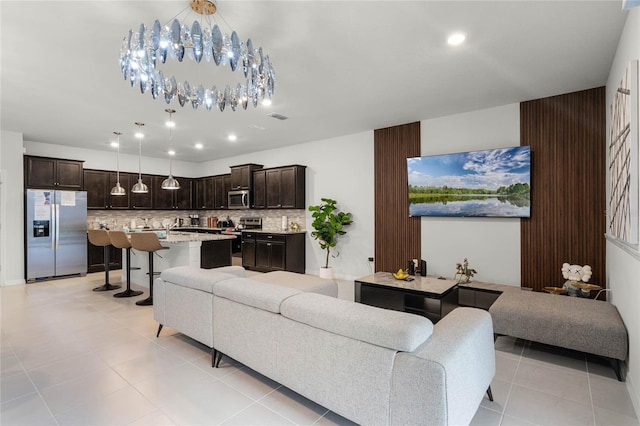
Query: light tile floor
[[73, 356]]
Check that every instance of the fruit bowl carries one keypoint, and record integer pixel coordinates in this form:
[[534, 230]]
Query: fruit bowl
[[555, 290]]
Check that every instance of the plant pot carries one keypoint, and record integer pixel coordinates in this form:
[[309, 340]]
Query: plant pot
[[326, 273]]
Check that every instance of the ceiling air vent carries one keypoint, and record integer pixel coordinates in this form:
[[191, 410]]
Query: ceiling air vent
[[278, 116]]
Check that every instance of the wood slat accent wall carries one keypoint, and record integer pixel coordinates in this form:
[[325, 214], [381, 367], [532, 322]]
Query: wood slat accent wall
[[568, 143], [397, 236]]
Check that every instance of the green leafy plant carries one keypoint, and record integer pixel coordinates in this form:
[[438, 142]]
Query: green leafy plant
[[328, 224]]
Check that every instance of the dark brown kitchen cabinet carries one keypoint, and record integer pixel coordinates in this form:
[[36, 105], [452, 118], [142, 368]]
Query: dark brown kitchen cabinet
[[119, 201], [44, 172], [140, 201], [267, 252], [221, 187], [167, 199], [98, 184], [248, 250], [259, 189], [203, 193], [95, 258], [242, 175], [280, 188]]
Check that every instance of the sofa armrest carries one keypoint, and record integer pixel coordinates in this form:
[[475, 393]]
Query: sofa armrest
[[445, 379]]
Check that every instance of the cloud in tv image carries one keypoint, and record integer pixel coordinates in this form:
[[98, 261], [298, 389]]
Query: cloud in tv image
[[489, 183]]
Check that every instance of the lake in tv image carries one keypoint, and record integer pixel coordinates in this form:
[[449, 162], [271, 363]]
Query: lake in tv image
[[488, 183]]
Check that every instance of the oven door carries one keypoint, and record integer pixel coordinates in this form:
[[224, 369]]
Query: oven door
[[238, 199]]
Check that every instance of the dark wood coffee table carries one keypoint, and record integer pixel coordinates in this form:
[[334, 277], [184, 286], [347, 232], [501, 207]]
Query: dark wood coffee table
[[428, 296]]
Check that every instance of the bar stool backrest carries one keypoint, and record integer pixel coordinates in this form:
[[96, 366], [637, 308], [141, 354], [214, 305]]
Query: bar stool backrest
[[146, 241], [99, 237], [119, 239]]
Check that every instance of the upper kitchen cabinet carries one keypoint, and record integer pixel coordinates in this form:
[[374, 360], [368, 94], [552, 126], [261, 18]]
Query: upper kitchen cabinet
[[280, 188], [98, 184], [167, 199], [242, 175], [203, 195], [140, 201], [43, 172], [221, 188]]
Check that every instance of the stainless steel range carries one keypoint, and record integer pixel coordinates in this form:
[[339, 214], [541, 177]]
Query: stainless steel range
[[247, 222]]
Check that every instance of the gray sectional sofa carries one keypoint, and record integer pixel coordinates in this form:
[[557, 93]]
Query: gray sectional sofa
[[370, 365]]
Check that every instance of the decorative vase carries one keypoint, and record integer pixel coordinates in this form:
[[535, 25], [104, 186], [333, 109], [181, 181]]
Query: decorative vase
[[326, 273]]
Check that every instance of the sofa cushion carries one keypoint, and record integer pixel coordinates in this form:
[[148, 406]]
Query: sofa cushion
[[253, 293], [390, 329], [198, 278], [302, 282]]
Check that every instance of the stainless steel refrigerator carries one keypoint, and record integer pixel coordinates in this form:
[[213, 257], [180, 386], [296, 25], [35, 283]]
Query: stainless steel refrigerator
[[56, 233]]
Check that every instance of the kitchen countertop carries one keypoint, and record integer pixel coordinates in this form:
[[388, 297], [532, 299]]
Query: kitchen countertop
[[181, 237], [266, 231]]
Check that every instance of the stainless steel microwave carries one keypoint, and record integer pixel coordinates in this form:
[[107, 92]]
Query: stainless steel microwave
[[239, 199]]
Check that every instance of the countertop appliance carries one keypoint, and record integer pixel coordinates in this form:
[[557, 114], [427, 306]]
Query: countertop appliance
[[194, 220], [55, 233], [239, 199]]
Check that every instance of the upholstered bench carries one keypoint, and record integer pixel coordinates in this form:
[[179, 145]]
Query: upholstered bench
[[585, 325]]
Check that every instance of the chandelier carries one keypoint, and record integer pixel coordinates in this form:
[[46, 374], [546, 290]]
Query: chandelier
[[142, 50]]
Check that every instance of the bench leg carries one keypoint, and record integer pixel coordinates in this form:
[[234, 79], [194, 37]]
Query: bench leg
[[496, 335], [617, 368], [159, 330], [489, 394]]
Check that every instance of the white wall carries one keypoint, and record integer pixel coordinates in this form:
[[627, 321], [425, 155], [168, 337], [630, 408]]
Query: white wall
[[339, 168], [11, 209], [492, 245], [623, 262], [105, 160]]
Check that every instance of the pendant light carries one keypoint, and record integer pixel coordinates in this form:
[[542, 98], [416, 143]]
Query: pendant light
[[170, 182], [118, 190], [139, 187]]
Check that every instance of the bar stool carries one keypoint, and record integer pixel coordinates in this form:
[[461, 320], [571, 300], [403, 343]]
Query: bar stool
[[120, 240], [149, 242], [100, 238]]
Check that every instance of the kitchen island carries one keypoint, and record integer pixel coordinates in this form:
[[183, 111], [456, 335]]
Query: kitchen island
[[185, 249]]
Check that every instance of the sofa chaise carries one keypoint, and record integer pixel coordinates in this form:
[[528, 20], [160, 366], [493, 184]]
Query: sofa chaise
[[367, 364]]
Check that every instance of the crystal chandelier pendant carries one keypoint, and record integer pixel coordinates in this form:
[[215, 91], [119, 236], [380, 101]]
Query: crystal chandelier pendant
[[142, 51]]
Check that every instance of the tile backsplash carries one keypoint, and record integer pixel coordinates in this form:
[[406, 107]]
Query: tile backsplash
[[272, 220]]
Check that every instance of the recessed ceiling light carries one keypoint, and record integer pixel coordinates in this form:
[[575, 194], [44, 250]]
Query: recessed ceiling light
[[171, 152], [456, 39], [114, 144], [170, 124], [232, 137], [199, 145]]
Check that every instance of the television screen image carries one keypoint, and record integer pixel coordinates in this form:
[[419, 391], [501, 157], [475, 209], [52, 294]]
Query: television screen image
[[489, 183]]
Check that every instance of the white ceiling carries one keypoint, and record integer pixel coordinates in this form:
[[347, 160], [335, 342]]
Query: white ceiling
[[342, 67]]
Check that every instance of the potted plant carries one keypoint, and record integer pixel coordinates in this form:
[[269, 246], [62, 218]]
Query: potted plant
[[328, 223]]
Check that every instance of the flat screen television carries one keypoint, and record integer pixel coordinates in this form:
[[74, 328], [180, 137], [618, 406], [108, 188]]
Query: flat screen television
[[489, 183]]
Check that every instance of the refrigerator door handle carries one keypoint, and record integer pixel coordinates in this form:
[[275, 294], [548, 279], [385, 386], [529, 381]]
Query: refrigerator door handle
[[56, 209]]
